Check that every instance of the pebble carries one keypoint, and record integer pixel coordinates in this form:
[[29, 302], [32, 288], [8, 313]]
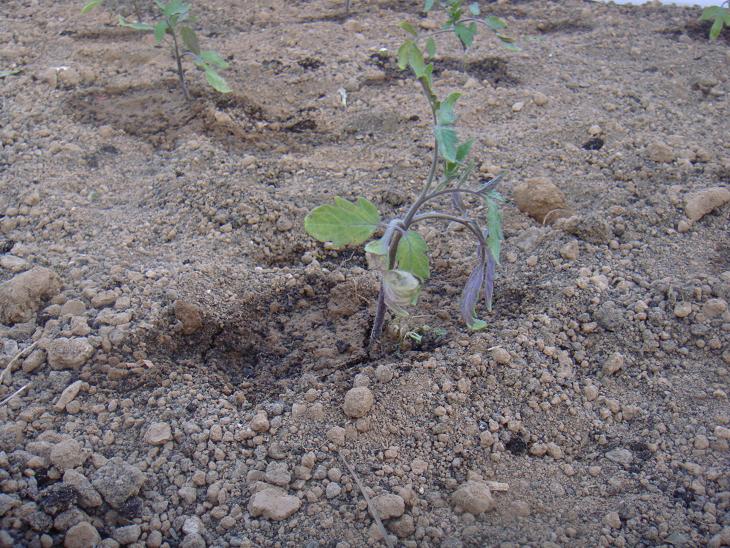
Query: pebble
[[384, 373], [336, 435], [660, 152], [127, 534], [620, 456], [614, 363], [613, 520], [116, 481], [260, 422], [501, 356], [699, 204], [540, 99], [358, 401], [333, 490], [473, 497], [88, 496], [82, 535], [389, 505], [682, 309], [64, 353], [570, 251], [541, 199], [68, 395], [67, 454], [158, 433], [713, 308], [273, 504], [189, 315], [21, 296]]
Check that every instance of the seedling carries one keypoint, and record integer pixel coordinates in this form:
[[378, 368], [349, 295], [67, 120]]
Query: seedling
[[175, 21], [401, 254], [720, 17]]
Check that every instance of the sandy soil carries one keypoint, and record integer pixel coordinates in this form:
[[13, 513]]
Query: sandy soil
[[159, 283]]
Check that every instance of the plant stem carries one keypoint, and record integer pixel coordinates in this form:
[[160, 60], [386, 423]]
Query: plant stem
[[178, 59], [137, 11]]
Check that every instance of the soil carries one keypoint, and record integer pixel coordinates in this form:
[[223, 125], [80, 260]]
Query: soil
[[595, 405]]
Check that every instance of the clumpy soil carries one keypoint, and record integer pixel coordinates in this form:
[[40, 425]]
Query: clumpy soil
[[596, 403]]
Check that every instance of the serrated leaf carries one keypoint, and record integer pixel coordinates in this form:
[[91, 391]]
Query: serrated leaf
[[160, 30], [343, 223], [412, 255], [447, 140], [214, 59], [494, 225], [431, 47], [216, 81], [135, 26], [409, 28], [91, 5], [190, 39], [494, 22], [474, 9]]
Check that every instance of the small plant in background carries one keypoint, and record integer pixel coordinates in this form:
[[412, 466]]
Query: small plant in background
[[401, 254], [720, 17], [175, 21]]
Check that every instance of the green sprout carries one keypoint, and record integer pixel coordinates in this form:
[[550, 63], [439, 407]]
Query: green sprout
[[401, 254], [720, 17], [175, 21]]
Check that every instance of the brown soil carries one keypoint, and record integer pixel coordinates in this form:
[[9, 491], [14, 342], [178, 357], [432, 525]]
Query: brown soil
[[164, 201]]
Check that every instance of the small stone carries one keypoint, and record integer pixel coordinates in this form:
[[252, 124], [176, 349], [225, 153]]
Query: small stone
[[713, 308], [66, 353], [159, 433], [273, 504], [13, 264], [403, 527], [620, 456], [333, 490], [67, 454], [701, 442], [88, 496], [570, 251], [127, 534], [117, 481], [216, 433], [34, 360], [358, 402], [193, 525], [501, 356], [540, 99], [21, 296], [384, 373], [194, 540], [682, 309], [703, 202], [473, 497], [336, 435], [613, 520], [389, 506], [419, 466], [68, 395], [540, 199], [190, 316], [277, 473], [614, 363], [660, 152], [590, 392], [722, 432], [683, 226], [518, 106], [554, 451], [104, 298], [82, 535], [260, 422]]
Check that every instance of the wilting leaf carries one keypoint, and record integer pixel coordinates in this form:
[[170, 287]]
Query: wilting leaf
[[401, 289], [494, 224], [91, 5], [472, 290], [214, 59], [136, 26], [412, 255], [190, 40], [343, 222], [216, 81]]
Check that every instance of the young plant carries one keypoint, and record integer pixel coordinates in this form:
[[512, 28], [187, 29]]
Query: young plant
[[401, 254], [720, 17], [175, 21]]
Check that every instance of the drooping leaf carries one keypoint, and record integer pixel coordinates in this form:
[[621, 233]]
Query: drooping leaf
[[135, 26], [412, 255], [91, 5], [494, 22], [190, 39], [489, 282], [409, 28], [214, 59], [447, 140], [216, 81], [494, 225], [716, 29], [401, 289], [160, 30], [471, 292], [431, 47], [343, 223]]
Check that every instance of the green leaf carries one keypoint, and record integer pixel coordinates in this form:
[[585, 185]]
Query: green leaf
[[343, 223], [474, 9], [377, 247], [409, 28], [136, 26], [9, 72], [160, 30], [445, 114], [428, 5], [190, 39], [90, 6], [431, 47], [494, 224], [175, 8], [216, 81], [466, 34], [214, 59], [477, 324], [412, 255], [463, 150], [404, 53], [494, 22], [447, 141], [713, 12], [716, 29]]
